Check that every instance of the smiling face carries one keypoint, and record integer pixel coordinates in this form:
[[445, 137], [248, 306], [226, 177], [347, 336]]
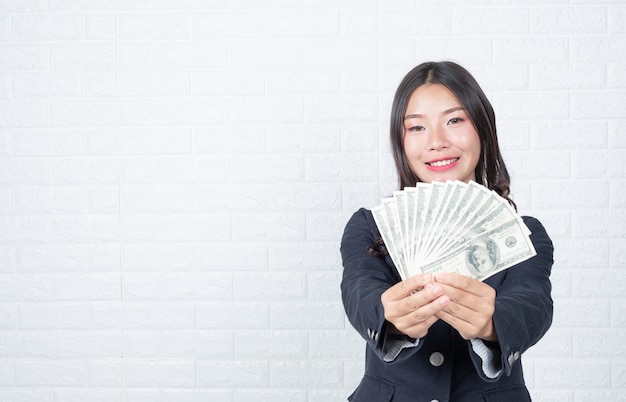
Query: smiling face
[[440, 140]]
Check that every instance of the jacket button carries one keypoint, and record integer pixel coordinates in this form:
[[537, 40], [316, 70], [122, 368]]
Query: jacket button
[[436, 359]]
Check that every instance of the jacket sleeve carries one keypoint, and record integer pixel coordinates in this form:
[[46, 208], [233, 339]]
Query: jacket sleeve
[[523, 305], [365, 279]]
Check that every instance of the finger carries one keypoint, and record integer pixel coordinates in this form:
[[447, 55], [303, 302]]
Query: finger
[[464, 328], [420, 330], [459, 296], [468, 326], [417, 323], [463, 304], [457, 280], [417, 307], [418, 300], [408, 286], [463, 318], [451, 277], [472, 303], [457, 312], [464, 283], [430, 309]]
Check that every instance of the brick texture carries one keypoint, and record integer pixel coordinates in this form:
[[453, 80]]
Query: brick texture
[[175, 177]]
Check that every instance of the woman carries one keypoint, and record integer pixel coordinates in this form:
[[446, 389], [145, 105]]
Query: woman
[[443, 337]]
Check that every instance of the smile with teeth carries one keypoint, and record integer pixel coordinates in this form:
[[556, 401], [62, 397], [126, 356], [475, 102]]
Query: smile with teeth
[[443, 163]]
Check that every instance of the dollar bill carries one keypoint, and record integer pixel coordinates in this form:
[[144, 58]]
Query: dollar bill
[[433, 206], [453, 226], [402, 219], [440, 233], [389, 236], [486, 254]]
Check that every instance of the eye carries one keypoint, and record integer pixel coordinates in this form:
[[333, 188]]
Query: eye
[[456, 120], [415, 128]]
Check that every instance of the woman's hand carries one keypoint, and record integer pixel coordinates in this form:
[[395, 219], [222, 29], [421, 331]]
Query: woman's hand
[[412, 305], [471, 307]]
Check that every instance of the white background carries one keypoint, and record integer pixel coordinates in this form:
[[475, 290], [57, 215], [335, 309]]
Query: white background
[[175, 176]]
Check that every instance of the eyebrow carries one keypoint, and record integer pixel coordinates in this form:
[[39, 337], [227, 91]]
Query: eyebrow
[[447, 111]]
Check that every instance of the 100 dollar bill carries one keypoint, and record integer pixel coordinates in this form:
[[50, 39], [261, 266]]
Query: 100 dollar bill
[[452, 226], [485, 254]]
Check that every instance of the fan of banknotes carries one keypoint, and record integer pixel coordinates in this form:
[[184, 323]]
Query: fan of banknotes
[[454, 227]]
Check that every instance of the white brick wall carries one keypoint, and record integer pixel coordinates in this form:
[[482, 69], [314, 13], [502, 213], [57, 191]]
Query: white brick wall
[[175, 177]]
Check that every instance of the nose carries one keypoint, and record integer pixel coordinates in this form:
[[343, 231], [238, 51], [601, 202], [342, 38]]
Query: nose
[[437, 139]]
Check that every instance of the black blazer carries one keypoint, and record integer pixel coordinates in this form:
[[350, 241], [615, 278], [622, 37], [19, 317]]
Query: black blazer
[[444, 366]]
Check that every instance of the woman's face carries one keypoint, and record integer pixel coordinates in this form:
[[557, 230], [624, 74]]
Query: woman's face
[[440, 141]]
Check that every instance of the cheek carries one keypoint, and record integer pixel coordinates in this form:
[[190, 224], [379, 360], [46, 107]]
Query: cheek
[[469, 142], [413, 147], [477, 149]]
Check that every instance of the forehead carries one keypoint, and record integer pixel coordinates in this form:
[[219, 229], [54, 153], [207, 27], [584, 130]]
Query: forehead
[[431, 96], [432, 100]]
